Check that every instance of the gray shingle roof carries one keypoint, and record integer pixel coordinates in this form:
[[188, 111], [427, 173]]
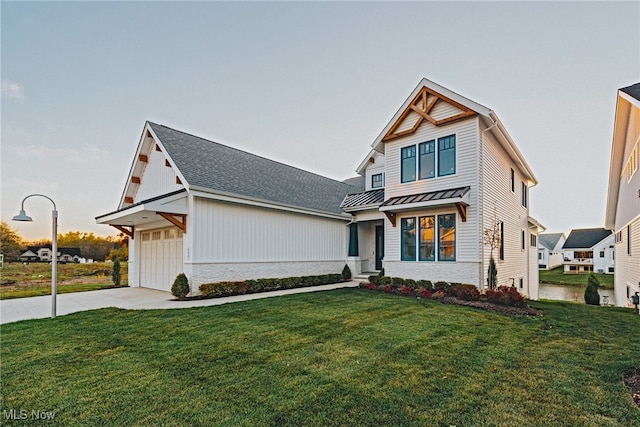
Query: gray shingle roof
[[218, 167], [549, 240], [366, 198], [584, 238], [633, 90]]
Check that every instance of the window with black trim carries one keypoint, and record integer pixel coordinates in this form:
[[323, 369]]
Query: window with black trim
[[447, 155], [427, 160], [408, 165], [436, 238], [524, 194], [377, 181], [513, 181], [501, 250]]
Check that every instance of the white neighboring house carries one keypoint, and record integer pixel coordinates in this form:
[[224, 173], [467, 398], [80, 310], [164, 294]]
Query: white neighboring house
[[442, 171], [623, 198], [550, 250], [589, 250], [43, 254]]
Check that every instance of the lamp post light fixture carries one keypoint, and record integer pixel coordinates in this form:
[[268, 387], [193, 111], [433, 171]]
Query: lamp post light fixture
[[22, 216]]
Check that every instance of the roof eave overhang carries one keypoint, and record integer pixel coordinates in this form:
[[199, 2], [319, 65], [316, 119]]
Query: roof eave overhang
[[235, 198], [623, 109], [362, 207], [536, 224], [146, 212], [511, 148]]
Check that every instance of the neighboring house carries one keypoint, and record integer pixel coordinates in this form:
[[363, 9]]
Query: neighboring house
[[550, 250], [623, 199], [589, 250], [44, 254], [441, 172]]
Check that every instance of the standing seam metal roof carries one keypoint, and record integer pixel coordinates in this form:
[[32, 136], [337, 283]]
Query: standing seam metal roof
[[218, 167]]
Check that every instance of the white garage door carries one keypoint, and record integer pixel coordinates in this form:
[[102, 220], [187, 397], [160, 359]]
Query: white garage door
[[160, 258]]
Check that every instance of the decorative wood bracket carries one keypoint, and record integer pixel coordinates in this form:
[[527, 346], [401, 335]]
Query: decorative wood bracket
[[422, 104], [392, 217], [123, 229], [179, 220], [462, 210]]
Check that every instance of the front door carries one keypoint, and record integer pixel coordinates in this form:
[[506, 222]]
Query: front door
[[379, 246]]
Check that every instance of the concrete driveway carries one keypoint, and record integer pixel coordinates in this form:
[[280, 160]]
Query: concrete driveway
[[13, 310]]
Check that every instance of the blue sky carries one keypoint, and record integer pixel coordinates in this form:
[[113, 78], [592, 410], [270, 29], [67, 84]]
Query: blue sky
[[308, 84]]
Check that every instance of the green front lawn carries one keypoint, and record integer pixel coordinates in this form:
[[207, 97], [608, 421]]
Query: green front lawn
[[20, 280], [556, 276], [344, 357]]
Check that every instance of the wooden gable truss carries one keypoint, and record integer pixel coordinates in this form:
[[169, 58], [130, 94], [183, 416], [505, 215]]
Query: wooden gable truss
[[423, 104]]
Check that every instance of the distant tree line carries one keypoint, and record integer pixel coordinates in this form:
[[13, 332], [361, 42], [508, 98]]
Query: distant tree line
[[90, 245]]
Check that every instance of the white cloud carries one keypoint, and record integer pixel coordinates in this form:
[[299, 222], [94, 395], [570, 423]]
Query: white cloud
[[12, 90]]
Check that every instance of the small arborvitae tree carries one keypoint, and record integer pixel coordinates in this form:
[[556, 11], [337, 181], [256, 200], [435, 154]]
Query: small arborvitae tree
[[492, 274], [180, 287], [346, 273], [591, 295], [115, 271]]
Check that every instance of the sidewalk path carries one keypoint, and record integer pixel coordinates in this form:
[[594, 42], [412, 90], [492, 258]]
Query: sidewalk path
[[13, 310]]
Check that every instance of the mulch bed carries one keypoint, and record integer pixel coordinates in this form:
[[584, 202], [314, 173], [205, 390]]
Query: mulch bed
[[484, 305], [632, 381]]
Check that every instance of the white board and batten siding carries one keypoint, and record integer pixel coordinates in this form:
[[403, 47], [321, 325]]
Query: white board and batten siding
[[627, 264], [466, 267], [157, 179], [237, 242], [497, 197]]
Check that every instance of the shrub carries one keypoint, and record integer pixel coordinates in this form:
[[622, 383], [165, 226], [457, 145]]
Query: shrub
[[591, 295], [381, 272], [424, 293], [346, 273], [442, 286], [425, 284], [387, 288], [506, 295], [384, 280], [492, 274], [438, 294], [370, 285], [397, 282], [406, 290], [410, 283], [465, 292], [115, 272], [374, 279], [180, 287]]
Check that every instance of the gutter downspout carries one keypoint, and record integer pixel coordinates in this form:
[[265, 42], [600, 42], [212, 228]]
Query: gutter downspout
[[481, 197]]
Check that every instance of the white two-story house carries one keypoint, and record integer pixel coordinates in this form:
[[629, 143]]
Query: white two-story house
[[589, 250], [442, 172], [623, 199]]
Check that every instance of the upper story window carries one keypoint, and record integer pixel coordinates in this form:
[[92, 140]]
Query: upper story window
[[447, 155], [524, 194], [513, 181], [433, 156], [376, 181], [631, 167], [427, 159], [408, 166]]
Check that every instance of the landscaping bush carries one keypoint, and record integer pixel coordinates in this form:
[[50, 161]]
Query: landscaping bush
[[384, 280], [591, 295], [438, 294], [222, 289], [405, 290], [374, 279], [370, 286], [442, 286], [465, 292], [397, 282], [387, 288], [115, 271], [424, 284], [410, 283], [506, 295], [180, 287], [424, 293], [346, 273]]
